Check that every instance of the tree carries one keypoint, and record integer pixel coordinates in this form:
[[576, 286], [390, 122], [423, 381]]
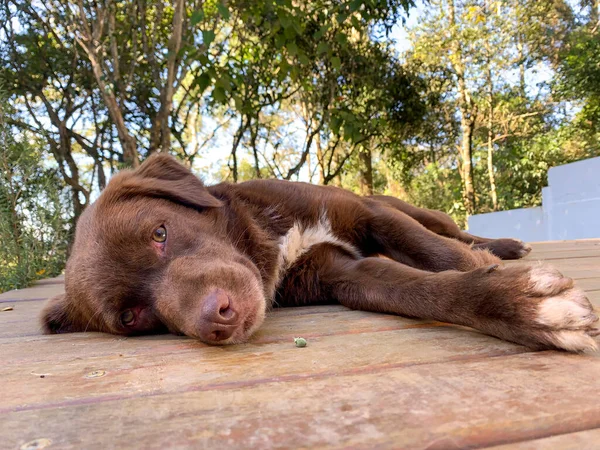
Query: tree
[[473, 48], [312, 59], [32, 206]]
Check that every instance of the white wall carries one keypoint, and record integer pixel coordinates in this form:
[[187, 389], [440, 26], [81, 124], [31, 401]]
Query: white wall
[[526, 224], [570, 208]]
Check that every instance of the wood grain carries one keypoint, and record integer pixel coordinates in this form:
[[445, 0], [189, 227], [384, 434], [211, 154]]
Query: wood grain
[[583, 440], [364, 381], [452, 404]]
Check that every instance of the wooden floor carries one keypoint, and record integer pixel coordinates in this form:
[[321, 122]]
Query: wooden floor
[[364, 381]]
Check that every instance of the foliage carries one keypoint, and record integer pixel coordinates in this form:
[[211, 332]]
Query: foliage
[[33, 226], [467, 119], [579, 75], [480, 58]]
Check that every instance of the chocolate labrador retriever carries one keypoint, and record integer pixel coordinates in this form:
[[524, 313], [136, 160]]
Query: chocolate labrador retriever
[[159, 251]]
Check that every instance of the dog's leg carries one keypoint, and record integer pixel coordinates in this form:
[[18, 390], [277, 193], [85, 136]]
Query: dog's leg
[[442, 224], [398, 236], [531, 305]]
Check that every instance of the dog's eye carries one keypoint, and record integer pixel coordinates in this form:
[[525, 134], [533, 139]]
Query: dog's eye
[[159, 235], [127, 317]]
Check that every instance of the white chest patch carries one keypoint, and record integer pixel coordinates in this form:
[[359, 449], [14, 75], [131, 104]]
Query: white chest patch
[[298, 240]]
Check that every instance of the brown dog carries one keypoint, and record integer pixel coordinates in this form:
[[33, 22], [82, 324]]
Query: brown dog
[[160, 251]]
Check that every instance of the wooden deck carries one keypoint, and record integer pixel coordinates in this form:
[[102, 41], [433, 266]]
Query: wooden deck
[[364, 381]]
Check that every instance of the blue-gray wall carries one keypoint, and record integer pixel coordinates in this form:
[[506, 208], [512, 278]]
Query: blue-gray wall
[[570, 208]]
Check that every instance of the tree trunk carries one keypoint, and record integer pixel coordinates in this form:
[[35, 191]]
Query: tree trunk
[[490, 143], [467, 122], [337, 180], [490, 121], [88, 43], [130, 155], [521, 57], [466, 150], [166, 103], [236, 143], [320, 161], [63, 153], [253, 139], [366, 171]]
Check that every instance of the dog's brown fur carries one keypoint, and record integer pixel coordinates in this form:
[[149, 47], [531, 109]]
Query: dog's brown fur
[[233, 251]]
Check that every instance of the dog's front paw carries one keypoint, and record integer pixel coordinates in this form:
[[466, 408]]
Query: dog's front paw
[[536, 306], [508, 248], [564, 315]]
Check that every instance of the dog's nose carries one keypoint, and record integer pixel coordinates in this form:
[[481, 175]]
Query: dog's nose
[[217, 307], [218, 319]]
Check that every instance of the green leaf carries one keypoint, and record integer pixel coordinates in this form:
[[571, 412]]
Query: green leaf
[[238, 103], [322, 47], [279, 41], [321, 32], [224, 82], [355, 4], [197, 17], [342, 38], [203, 59], [286, 21], [336, 62], [303, 58], [297, 26], [289, 33], [219, 95], [336, 123], [207, 37], [203, 81], [223, 10], [292, 48]]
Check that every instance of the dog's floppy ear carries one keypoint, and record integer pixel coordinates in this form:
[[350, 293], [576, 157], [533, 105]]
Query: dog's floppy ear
[[55, 316], [162, 176]]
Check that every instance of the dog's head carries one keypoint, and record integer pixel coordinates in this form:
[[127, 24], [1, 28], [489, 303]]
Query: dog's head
[[152, 254]]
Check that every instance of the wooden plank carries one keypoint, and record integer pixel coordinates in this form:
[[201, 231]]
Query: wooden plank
[[22, 311], [577, 269], [23, 319], [35, 292], [581, 263], [277, 328], [563, 254], [456, 404], [594, 298], [365, 380], [589, 284], [583, 440], [168, 365], [282, 323], [57, 280], [562, 245]]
